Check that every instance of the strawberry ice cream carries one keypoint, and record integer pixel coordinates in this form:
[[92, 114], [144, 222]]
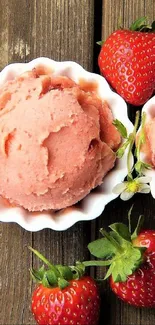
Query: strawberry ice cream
[[57, 141], [149, 146]]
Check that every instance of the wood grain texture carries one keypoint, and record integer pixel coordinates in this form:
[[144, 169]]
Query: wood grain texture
[[115, 13], [62, 30], [15, 283], [59, 29]]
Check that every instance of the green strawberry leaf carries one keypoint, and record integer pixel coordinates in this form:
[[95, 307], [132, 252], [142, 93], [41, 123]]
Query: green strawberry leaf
[[100, 43], [37, 277], [147, 166], [78, 270], [113, 238], [120, 152], [45, 281], [41, 271], [121, 230], [139, 167], [117, 237], [137, 25], [153, 26], [117, 245], [138, 227], [109, 272], [62, 283], [129, 178], [125, 264], [121, 128], [145, 28], [51, 277], [142, 137], [102, 248], [65, 272]]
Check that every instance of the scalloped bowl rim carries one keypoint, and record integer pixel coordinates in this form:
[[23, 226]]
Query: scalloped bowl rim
[[94, 203]]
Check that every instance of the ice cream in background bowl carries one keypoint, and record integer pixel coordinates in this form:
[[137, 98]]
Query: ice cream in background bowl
[[57, 144], [147, 150]]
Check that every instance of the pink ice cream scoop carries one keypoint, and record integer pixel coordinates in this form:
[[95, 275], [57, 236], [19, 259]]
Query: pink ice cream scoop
[[57, 141], [149, 146]]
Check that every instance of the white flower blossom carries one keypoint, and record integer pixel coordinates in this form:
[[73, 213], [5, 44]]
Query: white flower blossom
[[127, 189]]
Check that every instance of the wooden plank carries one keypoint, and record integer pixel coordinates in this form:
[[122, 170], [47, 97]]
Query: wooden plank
[[62, 30], [115, 312], [117, 13], [15, 282]]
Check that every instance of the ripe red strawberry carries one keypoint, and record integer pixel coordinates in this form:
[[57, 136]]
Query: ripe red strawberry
[[139, 289], [127, 61], [131, 260], [64, 295]]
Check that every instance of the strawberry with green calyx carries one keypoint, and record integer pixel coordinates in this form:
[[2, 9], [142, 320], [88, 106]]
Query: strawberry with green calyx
[[131, 260], [127, 61], [64, 295]]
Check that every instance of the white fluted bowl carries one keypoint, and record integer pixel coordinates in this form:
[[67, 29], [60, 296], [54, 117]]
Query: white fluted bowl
[[93, 204]]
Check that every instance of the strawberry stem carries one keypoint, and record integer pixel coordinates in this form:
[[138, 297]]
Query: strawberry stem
[[96, 263], [42, 258], [141, 139], [132, 141], [129, 218], [141, 165]]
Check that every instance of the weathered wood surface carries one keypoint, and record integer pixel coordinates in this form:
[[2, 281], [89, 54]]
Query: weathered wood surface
[[62, 30]]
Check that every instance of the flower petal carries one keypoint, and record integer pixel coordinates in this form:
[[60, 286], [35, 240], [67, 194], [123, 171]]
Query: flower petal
[[144, 179], [144, 188], [119, 188], [126, 195]]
